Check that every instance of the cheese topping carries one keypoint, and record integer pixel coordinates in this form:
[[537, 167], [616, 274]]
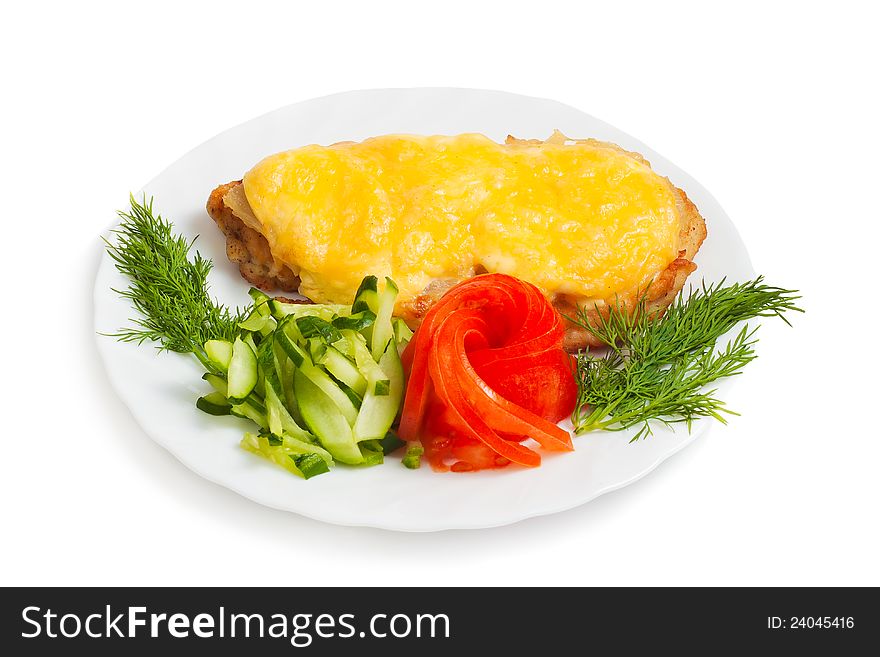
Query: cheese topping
[[580, 218]]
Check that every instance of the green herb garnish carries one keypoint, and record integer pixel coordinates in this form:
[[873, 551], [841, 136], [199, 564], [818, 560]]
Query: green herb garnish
[[657, 368], [168, 289]]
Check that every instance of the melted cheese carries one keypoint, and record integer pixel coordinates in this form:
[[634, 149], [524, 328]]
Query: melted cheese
[[585, 219]]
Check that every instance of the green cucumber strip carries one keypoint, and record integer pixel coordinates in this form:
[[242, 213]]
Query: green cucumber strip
[[242, 376], [283, 370], [268, 327], [293, 350], [344, 345], [382, 387], [367, 296], [372, 453], [413, 458], [288, 368], [368, 367], [265, 364], [357, 322], [279, 419], [311, 465], [311, 327], [378, 412], [255, 322], [391, 442], [344, 370], [217, 382], [402, 333], [297, 446], [355, 399], [261, 301], [279, 356], [214, 404], [255, 403], [325, 420], [323, 381], [261, 446], [382, 330], [273, 411], [248, 338], [219, 352], [326, 311], [317, 350], [252, 411]]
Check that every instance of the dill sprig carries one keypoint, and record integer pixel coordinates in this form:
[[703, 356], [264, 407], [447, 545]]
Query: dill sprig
[[657, 368], [169, 290]]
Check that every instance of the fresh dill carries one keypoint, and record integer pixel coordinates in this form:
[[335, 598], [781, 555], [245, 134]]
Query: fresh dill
[[657, 368], [169, 290]]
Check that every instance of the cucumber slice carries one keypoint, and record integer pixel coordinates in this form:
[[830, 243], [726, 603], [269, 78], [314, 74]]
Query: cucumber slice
[[344, 370], [344, 346], [382, 329], [302, 459], [261, 445], [378, 411], [265, 362], [268, 326], [357, 322], [413, 458], [317, 350], [293, 350], [214, 404], [368, 367], [311, 465], [217, 382], [315, 327], [288, 368], [273, 411], [325, 420], [278, 418], [328, 386], [402, 333], [283, 368], [372, 452], [251, 410], [261, 301], [248, 338], [326, 311], [297, 446], [242, 371], [367, 296], [391, 442], [219, 352], [353, 397], [255, 322]]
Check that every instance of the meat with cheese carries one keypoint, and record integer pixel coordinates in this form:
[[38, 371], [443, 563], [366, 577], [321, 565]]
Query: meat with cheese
[[587, 222]]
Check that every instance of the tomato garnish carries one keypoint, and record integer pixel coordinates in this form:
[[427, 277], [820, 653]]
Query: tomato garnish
[[486, 371]]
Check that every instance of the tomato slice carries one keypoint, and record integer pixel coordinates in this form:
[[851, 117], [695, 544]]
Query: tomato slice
[[466, 420], [501, 413], [542, 383], [493, 293], [485, 371]]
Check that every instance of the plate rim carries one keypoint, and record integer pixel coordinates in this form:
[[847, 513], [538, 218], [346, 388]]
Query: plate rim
[[105, 346]]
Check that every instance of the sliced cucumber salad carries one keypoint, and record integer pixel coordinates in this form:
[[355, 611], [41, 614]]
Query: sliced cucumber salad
[[323, 383]]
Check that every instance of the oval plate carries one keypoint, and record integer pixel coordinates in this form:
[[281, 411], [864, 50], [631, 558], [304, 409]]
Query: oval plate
[[161, 389]]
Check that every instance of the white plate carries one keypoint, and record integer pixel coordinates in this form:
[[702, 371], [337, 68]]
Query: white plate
[[161, 389]]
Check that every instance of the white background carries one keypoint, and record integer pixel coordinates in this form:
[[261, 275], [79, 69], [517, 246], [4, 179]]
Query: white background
[[772, 106]]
